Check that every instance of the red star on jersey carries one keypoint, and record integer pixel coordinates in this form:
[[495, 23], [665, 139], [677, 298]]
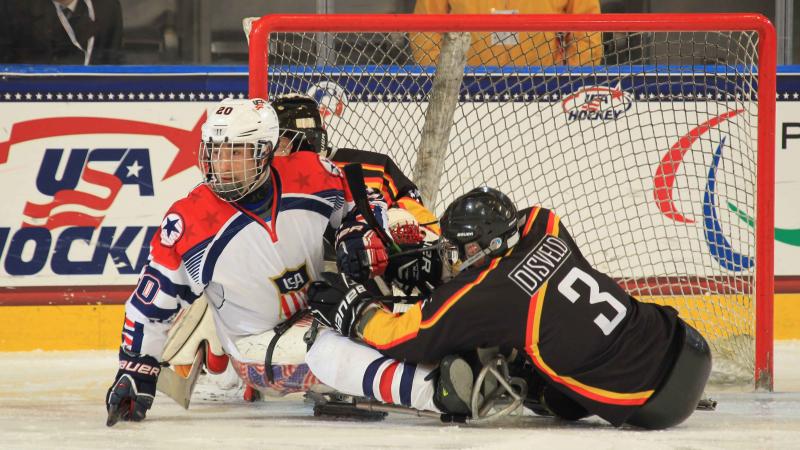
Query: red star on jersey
[[301, 180], [209, 219]]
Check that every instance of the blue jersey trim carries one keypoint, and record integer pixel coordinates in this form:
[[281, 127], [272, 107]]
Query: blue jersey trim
[[170, 288], [193, 258], [308, 204], [151, 310], [220, 243], [407, 383], [335, 196]]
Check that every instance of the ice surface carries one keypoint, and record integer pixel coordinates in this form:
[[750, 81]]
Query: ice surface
[[55, 400]]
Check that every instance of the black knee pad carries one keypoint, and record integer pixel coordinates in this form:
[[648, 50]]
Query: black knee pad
[[677, 397]]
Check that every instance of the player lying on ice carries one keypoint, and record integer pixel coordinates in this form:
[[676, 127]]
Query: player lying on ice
[[520, 285], [236, 257]]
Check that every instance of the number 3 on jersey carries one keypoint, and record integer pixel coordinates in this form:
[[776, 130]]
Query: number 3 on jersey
[[567, 289]]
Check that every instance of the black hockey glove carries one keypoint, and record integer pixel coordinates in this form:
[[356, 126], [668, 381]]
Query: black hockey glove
[[421, 269], [360, 253], [134, 388], [337, 300]]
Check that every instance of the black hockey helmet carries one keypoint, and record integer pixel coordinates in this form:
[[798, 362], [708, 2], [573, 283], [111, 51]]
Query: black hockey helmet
[[300, 121], [483, 216]]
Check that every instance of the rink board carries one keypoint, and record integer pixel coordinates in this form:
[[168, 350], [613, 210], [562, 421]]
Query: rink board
[[91, 161], [90, 327]]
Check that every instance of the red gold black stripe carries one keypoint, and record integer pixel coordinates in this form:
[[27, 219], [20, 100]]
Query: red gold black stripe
[[532, 346]]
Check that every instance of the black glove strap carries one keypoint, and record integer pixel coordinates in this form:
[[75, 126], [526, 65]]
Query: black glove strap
[[279, 330]]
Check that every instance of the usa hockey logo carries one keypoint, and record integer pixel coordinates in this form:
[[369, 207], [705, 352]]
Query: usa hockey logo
[[331, 98], [292, 285], [597, 103], [64, 202]]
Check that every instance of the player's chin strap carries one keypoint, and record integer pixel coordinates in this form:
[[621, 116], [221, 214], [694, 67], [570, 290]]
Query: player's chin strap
[[496, 394]]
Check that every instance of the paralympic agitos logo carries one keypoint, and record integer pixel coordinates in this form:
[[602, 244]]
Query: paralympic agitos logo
[[664, 180], [83, 183]]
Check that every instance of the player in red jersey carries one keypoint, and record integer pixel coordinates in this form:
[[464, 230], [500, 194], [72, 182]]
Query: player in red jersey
[[304, 129], [249, 239]]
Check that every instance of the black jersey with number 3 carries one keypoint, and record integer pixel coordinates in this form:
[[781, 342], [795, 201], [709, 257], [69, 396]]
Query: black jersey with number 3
[[583, 333]]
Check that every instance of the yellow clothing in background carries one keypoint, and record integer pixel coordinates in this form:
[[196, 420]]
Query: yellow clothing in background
[[533, 49]]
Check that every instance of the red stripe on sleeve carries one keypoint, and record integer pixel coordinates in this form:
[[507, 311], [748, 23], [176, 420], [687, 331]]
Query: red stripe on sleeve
[[386, 382]]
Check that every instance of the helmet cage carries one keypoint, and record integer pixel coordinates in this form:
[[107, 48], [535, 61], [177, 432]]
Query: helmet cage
[[292, 140], [300, 114], [456, 255], [234, 169], [312, 139]]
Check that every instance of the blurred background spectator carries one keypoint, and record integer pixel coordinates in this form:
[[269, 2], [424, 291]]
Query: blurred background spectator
[[60, 31], [524, 49], [151, 31], [210, 31]]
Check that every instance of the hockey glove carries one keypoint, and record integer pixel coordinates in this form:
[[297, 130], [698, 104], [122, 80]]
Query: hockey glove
[[421, 269], [134, 388], [359, 251], [337, 301]]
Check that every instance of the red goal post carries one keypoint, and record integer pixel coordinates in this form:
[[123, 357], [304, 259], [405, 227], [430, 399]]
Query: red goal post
[[265, 30]]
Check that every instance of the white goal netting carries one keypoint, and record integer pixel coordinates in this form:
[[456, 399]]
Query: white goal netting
[[646, 145]]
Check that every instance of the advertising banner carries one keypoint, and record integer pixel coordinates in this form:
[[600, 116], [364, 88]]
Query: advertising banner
[[90, 162]]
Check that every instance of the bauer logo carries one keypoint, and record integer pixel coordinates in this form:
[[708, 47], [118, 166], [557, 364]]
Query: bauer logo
[[597, 103]]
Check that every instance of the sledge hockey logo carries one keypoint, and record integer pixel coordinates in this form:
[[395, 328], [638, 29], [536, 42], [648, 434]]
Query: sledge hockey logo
[[597, 103], [171, 229], [331, 98]]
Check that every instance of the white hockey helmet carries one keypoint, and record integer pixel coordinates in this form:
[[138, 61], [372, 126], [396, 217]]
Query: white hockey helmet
[[238, 142]]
